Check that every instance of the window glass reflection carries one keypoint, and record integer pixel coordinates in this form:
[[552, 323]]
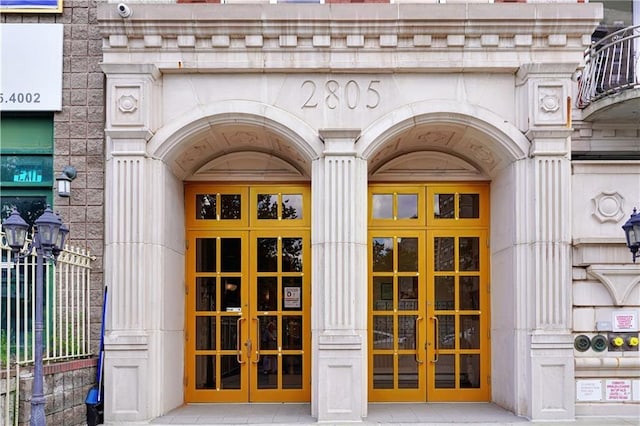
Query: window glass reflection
[[292, 255], [383, 332], [205, 333], [470, 293], [382, 206], [407, 372], [382, 254], [205, 255], [469, 253], [267, 293], [407, 206], [469, 206], [382, 293], [383, 371], [231, 300], [407, 293], [470, 371], [206, 206], [205, 372], [445, 293], [444, 206], [205, 296], [267, 206], [407, 254], [230, 206], [292, 206], [231, 255], [445, 372], [443, 253], [267, 254]]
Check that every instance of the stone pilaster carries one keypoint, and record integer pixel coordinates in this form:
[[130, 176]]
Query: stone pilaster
[[130, 108], [339, 188], [551, 386]]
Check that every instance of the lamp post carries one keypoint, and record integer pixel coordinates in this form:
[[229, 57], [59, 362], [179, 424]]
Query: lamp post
[[48, 240], [632, 232]]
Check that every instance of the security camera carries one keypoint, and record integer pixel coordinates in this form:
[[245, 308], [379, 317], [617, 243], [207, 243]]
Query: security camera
[[124, 10]]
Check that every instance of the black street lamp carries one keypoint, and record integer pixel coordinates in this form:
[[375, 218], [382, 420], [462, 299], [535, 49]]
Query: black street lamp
[[632, 232], [48, 240]]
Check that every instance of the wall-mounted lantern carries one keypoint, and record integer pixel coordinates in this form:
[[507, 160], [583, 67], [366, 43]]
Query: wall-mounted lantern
[[64, 179], [632, 232]]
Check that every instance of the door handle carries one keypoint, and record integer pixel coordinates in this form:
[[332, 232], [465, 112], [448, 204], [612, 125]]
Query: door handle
[[238, 344], [437, 334], [418, 360], [257, 340]]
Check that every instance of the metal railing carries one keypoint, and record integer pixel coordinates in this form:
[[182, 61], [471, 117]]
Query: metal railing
[[66, 313], [611, 66]]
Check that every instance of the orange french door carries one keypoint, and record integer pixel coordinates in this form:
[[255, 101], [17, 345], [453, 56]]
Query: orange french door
[[248, 293], [428, 293]]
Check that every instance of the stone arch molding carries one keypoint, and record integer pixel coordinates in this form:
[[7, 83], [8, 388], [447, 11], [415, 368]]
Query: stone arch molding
[[474, 133], [185, 143]]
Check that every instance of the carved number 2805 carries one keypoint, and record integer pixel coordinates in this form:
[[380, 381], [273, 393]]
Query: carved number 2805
[[334, 94]]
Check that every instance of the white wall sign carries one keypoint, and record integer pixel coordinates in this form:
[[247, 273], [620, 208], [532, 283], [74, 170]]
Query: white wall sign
[[636, 390], [618, 390], [292, 297], [588, 390], [625, 321], [31, 67]]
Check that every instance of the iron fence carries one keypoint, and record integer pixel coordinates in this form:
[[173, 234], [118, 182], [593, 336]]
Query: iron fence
[[66, 313], [611, 66]]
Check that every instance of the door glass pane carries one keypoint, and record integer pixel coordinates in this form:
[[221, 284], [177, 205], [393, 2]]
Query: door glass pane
[[205, 255], [267, 206], [292, 293], [383, 371], [407, 254], [382, 332], [469, 253], [231, 300], [407, 331], [268, 372], [231, 255], [292, 332], [445, 293], [228, 333], [292, 206], [445, 372], [407, 206], [443, 253], [230, 206], [469, 206], [267, 254], [230, 372], [205, 372], [292, 255], [470, 331], [382, 293], [292, 371], [205, 333], [382, 206], [407, 372], [206, 206], [407, 293], [444, 206], [470, 293], [382, 254], [447, 331], [268, 332], [205, 294], [470, 371], [267, 293]]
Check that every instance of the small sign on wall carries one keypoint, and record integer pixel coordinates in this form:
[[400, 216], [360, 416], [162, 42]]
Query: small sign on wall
[[625, 321], [589, 390], [618, 390]]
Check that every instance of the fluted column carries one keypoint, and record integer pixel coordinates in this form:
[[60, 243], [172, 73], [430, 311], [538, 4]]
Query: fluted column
[[551, 375], [131, 93], [339, 187]]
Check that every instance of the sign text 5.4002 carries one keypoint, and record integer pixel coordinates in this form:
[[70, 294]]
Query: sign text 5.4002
[[333, 94], [20, 98]]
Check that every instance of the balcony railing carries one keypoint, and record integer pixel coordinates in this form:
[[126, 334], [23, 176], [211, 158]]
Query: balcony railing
[[611, 66]]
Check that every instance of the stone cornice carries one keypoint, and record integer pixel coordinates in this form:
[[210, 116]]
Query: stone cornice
[[396, 37]]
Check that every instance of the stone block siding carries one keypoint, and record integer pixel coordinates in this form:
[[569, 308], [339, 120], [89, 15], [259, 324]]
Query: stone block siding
[[66, 385], [79, 135]]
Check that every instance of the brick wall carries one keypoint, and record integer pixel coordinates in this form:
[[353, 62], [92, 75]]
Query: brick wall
[[79, 134]]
